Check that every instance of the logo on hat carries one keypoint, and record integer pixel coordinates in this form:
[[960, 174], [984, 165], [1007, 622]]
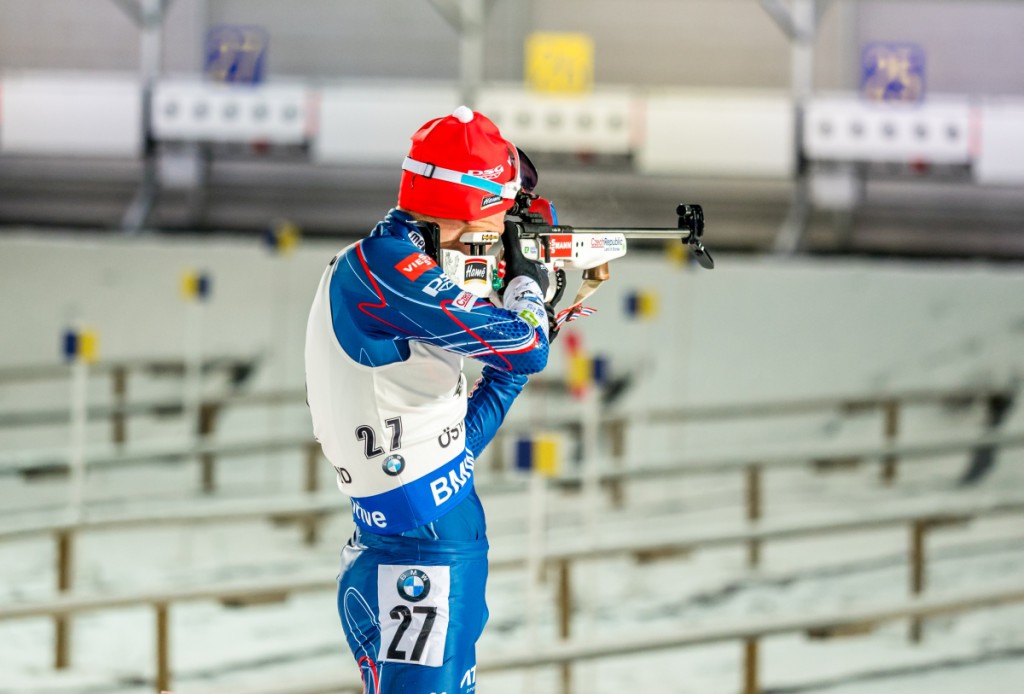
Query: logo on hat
[[413, 585], [490, 200], [393, 465], [489, 174]]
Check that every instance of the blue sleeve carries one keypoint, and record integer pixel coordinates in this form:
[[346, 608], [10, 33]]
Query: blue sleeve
[[406, 296], [488, 404]]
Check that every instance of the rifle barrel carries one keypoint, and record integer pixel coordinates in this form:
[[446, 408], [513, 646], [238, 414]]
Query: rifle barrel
[[634, 233]]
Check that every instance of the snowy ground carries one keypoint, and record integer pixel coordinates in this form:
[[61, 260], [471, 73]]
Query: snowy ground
[[212, 645]]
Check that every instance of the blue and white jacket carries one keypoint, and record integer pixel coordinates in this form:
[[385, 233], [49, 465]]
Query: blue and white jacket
[[385, 340]]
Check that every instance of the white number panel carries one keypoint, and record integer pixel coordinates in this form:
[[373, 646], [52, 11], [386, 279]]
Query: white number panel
[[413, 604]]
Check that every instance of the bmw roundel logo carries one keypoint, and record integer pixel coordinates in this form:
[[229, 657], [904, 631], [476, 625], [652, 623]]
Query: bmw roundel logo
[[413, 585], [393, 465]]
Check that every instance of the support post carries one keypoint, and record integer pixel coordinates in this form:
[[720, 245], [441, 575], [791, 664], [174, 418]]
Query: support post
[[467, 17], [312, 486], [497, 453], [753, 512], [471, 50], [565, 617], [149, 14], [312, 467], [163, 663], [617, 436], [892, 430], [799, 22], [917, 571], [61, 623], [750, 667], [207, 461], [119, 385]]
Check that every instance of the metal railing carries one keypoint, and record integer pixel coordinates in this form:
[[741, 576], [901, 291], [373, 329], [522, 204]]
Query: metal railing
[[748, 633], [562, 559], [561, 654], [614, 425], [238, 369]]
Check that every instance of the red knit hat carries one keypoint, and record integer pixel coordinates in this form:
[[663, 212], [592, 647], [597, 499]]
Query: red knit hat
[[459, 167]]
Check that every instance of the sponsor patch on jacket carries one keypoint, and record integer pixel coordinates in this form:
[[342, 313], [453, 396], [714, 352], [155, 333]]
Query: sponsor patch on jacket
[[441, 283], [417, 239], [415, 265], [465, 301], [530, 317]]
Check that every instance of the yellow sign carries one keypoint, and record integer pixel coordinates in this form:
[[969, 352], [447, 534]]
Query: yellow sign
[[88, 346], [547, 456], [557, 62]]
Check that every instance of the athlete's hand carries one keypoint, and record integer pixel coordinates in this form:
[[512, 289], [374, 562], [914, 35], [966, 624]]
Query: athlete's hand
[[553, 326], [518, 265]]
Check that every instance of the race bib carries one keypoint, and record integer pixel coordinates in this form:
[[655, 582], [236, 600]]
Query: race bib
[[413, 605]]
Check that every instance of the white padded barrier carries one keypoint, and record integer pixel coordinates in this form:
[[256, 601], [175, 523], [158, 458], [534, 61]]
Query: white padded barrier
[[846, 128], [371, 124], [602, 122], [69, 114], [718, 133], [1000, 156], [192, 110]]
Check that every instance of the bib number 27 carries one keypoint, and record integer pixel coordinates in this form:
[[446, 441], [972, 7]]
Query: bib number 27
[[413, 613], [368, 436]]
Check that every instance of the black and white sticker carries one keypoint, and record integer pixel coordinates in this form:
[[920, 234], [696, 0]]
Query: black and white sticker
[[413, 613]]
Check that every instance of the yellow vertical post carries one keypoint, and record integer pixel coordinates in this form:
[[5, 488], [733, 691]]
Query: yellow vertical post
[[750, 665], [917, 571], [61, 623], [753, 512], [207, 461], [892, 430], [312, 467], [497, 452], [565, 617], [617, 436], [312, 486], [163, 665], [119, 386]]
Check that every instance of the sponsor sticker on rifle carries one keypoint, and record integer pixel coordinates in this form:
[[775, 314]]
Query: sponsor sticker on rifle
[[415, 265], [608, 243], [561, 245], [476, 270]]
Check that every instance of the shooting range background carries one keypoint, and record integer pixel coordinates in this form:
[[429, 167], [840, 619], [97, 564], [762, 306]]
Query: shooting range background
[[760, 327], [752, 329]]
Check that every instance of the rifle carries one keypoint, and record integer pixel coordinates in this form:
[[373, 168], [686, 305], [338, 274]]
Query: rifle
[[559, 248]]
